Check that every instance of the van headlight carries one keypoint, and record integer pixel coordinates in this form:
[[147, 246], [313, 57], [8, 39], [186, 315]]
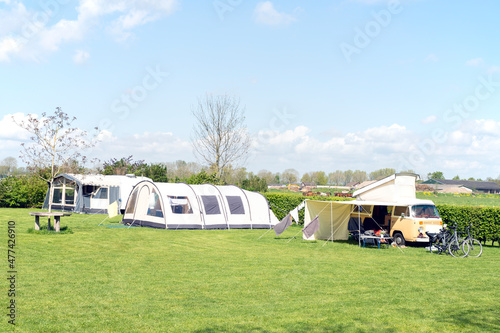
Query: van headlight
[[421, 230]]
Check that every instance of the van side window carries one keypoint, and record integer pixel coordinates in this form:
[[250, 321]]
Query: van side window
[[398, 210]]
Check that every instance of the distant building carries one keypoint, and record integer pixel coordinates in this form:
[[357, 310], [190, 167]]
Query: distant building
[[308, 184], [448, 186]]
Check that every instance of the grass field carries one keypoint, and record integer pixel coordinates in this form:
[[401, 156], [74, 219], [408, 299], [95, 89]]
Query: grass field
[[490, 200], [104, 279]]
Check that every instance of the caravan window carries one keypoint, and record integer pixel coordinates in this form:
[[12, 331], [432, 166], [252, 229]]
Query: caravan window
[[180, 205], [235, 204], [211, 204], [154, 207]]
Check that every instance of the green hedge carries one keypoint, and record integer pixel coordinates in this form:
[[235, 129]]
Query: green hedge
[[283, 203], [26, 191], [485, 220]]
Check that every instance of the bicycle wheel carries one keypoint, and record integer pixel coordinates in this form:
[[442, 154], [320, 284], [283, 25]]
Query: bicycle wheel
[[458, 248], [475, 248]]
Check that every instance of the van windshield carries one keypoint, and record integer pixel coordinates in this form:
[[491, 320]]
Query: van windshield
[[428, 211]]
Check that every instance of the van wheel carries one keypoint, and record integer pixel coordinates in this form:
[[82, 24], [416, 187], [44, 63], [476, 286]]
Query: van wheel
[[399, 239]]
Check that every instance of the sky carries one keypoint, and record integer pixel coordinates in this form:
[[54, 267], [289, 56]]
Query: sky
[[325, 85]]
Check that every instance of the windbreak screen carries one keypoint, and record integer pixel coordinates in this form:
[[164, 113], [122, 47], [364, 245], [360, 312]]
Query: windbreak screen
[[211, 204], [235, 204]]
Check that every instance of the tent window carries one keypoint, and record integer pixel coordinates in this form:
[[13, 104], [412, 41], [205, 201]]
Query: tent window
[[235, 204], [180, 205], [69, 197], [102, 193], [57, 199], [131, 202], [211, 204], [154, 208]]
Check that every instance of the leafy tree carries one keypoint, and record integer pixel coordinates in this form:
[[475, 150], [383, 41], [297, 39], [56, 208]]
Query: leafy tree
[[348, 175], [382, 173], [254, 183], [289, 176], [8, 166], [156, 171], [336, 178], [268, 176], [122, 166], [359, 176], [456, 178], [435, 175], [204, 178], [306, 177], [56, 145], [220, 137]]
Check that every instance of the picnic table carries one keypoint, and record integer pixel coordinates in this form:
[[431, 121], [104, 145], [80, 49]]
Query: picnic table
[[376, 239], [56, 215]]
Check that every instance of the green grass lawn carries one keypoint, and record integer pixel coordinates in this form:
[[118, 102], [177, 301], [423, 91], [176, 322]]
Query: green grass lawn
[[103, 279], [490, 200]]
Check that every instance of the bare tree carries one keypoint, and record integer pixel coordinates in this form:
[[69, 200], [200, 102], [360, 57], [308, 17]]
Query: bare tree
[[56, 146], [220, 136]]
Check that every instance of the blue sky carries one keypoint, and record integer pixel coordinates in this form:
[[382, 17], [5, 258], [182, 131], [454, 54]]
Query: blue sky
[[326, 85]]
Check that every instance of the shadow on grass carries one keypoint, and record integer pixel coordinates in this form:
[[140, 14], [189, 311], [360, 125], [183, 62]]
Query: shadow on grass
[[299, 327], [479, 319], [43, 231]]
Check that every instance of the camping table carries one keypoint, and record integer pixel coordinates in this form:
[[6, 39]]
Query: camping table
[[378, 239], [57, 219]]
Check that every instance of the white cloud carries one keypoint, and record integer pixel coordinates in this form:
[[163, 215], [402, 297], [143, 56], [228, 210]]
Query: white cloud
[[266, 14], [80, 57], [474, 62], [152, 147], [10, 130], [28, 34], [429, 120]]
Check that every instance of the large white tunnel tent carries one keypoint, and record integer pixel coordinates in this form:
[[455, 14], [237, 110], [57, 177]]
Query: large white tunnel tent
[[183, 206], [90, 193]]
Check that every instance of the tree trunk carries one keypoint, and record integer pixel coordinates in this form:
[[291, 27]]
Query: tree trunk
[[51, 194]]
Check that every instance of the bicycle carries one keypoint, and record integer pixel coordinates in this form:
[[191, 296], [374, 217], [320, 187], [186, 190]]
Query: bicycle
[[446, 241], [475, 247]]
